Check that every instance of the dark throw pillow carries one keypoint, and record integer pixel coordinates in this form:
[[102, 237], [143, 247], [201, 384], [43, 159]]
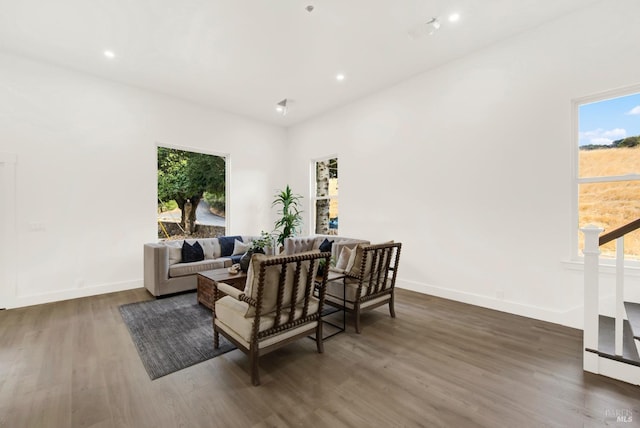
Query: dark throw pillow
[[226, 244], [236, 258], [325, 247], [192, 253]]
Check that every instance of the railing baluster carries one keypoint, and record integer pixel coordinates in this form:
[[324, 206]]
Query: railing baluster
[[591, 295], [619, 293]]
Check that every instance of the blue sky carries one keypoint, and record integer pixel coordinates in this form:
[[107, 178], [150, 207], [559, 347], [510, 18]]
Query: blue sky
[[606, 121]]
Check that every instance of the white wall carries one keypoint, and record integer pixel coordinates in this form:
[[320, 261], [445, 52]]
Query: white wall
[[469, 165], [86, 175]]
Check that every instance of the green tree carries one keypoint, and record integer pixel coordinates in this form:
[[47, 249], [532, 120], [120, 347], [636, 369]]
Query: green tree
[[624, 142], [184, 177], [627, 142]]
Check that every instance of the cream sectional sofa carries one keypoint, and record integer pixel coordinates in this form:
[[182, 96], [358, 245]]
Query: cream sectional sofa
[[166, 273]]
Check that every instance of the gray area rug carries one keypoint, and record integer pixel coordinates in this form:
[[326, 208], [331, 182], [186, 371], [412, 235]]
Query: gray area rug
[[172, 333]]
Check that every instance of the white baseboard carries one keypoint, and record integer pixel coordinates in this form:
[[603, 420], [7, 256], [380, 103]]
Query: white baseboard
[[596, 364], [619, 370], [73, 293], [571, 318]]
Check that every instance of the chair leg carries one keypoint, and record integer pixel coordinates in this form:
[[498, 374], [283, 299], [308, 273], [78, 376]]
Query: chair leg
[[392, 309], [358, 329], [319, 341], [253, 363], [216, 339]]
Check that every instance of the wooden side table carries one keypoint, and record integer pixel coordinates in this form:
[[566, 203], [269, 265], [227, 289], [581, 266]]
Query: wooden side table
[[207, 279]]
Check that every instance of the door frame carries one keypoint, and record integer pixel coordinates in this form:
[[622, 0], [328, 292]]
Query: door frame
[[8, 163]]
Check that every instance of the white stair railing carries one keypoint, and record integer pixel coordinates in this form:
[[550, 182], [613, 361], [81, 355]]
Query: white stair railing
[[592, 242], [597, 360]]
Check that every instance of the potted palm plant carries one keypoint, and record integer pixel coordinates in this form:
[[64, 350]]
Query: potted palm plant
[[288, 204]]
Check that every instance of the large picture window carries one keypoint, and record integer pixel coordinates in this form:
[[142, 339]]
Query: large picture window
[[191, 194], [609, 168], [326, 196]]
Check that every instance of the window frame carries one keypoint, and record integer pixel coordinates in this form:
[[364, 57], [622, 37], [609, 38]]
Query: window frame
[[313, 191], [227, 174], [576, 180], [8, 272]]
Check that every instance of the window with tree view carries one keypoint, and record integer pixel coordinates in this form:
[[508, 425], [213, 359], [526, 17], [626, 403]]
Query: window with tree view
[[326, 196], [191, 194], [609, 168]]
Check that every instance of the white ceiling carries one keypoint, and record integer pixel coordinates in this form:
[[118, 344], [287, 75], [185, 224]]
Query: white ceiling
[[243, 56]]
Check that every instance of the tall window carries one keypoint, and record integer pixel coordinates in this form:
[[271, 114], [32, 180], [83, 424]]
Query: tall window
[[191, 194], [609, 168], [326, 196]]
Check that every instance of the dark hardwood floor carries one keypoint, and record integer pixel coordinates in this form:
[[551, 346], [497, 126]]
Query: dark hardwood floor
[[439, 363]]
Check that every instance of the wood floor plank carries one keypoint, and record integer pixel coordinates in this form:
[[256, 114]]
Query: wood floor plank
[[438, 364]]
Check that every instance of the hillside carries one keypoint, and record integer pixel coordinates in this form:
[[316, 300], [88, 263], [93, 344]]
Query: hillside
[[611, 205], [624, 142]]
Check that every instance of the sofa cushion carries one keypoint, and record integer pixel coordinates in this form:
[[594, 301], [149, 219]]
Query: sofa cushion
[[240, 247], [325, 246], [272, 277], [298, 244], [208, 246], [217, 251], [184, 269], [334, 289], [343, 259], [227, 261], [192, 252], [355, 262], [175, 251], [230, 312], [227, 244]]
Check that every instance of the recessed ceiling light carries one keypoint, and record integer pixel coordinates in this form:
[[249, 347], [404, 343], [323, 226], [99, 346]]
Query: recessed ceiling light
[[109, 54], [454, 17], [340, 77]]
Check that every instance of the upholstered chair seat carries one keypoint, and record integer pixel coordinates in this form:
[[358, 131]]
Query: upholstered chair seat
[[230, 316], [334, 295]]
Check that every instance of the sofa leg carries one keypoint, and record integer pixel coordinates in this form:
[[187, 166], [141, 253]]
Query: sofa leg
[[216, 339]]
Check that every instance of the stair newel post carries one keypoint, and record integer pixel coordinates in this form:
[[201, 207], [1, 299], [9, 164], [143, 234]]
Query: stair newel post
[[591, 253], [619, 293]]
